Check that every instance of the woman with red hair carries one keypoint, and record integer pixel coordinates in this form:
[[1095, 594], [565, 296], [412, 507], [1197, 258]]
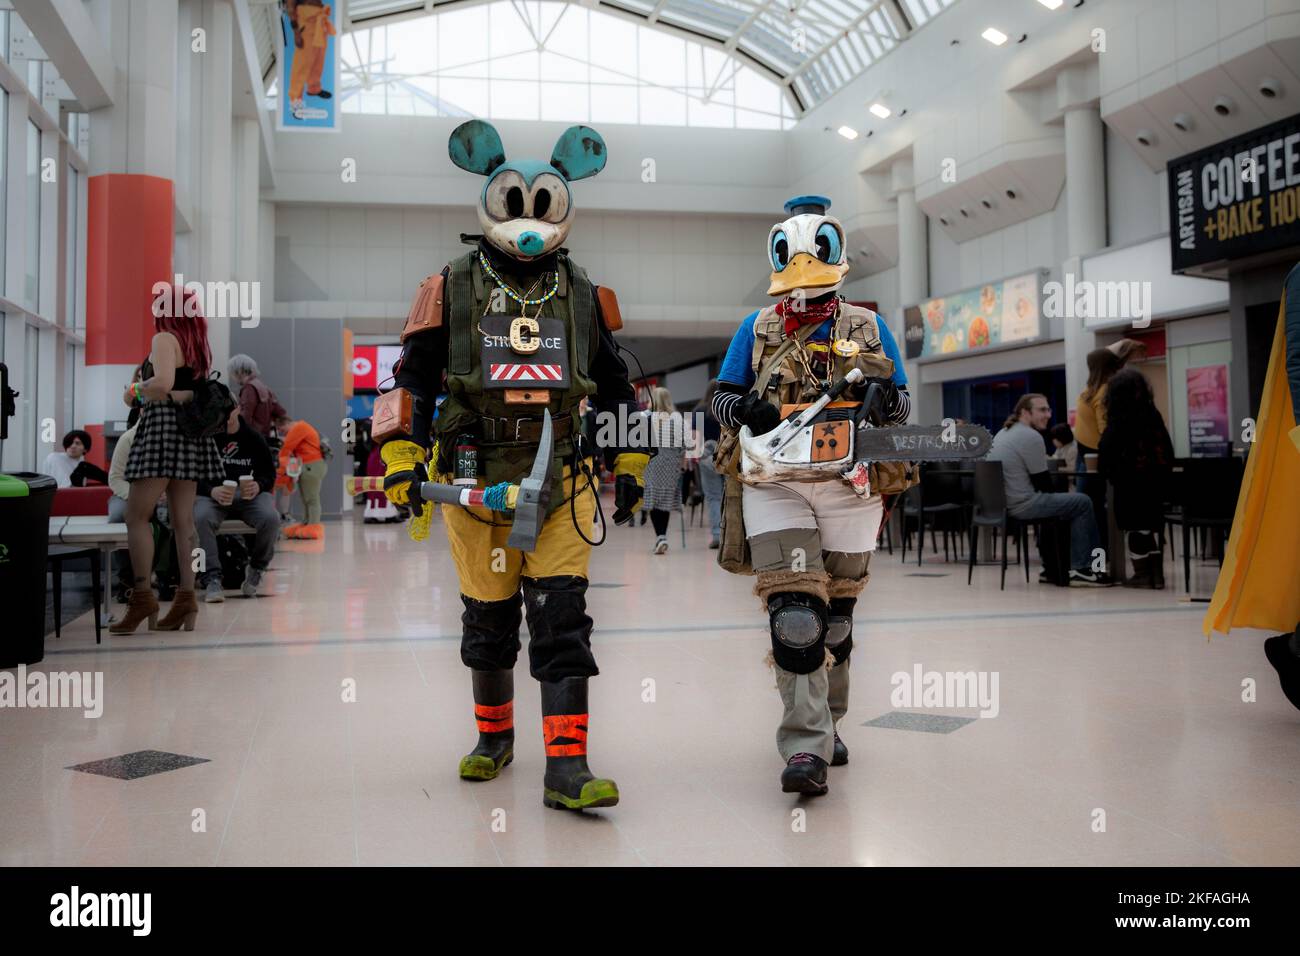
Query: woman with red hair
[[164, 459]]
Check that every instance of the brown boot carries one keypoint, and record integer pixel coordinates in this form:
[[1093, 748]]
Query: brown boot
[[182, 613], [143, 604]]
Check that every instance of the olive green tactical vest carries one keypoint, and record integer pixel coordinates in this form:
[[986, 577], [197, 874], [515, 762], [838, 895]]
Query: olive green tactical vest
[[467, 402], [851, 322]]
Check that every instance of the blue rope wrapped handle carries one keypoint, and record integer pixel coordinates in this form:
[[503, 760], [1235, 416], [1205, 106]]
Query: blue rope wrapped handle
[[496, 496]]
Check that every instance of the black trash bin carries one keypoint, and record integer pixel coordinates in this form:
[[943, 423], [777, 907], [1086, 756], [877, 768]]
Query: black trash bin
[[25, 500]]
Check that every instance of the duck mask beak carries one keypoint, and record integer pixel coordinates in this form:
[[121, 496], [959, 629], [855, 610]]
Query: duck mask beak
[[808, 273]]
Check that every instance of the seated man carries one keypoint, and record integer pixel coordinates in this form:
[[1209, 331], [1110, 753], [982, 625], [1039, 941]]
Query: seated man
[[69, 467], [1020, 448], [243, 453]]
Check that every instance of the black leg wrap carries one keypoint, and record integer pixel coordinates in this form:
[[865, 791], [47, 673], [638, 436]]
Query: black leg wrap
[[490, 633], [798, 626], [559, 629], [839, 628]]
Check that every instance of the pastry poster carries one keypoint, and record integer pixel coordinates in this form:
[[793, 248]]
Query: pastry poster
[[998, 313], [1207, 411]]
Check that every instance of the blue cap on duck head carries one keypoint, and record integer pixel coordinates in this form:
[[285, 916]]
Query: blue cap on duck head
[[817, 205], [526, 208]]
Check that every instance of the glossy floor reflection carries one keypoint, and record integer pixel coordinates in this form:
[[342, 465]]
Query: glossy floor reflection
[[1121, 735]]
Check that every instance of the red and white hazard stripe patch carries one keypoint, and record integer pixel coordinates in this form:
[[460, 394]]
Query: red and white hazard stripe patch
[[506, 372]]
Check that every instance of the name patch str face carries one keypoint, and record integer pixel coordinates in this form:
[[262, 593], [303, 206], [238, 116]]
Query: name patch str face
[[507, 366]]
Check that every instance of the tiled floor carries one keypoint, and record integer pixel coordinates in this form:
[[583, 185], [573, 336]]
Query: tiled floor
[[1113, 711]]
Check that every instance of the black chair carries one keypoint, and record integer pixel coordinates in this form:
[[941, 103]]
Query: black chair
[[59, 553], [990, 511], [940, 501], [1207, 490]]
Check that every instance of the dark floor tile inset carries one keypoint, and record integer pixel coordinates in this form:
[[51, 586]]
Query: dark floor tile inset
[[142, 763], [925, 723], [926, 574]]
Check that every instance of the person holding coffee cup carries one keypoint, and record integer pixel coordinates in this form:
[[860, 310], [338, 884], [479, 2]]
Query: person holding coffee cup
[[243, 494]]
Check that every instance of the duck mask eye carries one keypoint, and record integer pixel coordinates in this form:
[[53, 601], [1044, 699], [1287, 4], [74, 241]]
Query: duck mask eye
[[779, 250], [829, 244], [504, 197]]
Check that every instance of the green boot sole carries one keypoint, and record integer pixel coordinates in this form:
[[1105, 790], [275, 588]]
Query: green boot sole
[[595, 793], [481, 767]]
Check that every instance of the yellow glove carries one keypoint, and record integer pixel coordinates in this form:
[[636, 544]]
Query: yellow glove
[[401, 457], [629, 485]]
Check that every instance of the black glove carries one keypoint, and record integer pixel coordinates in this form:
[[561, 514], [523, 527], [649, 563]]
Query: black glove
[[760, 415], [887, 392], [627, 495]]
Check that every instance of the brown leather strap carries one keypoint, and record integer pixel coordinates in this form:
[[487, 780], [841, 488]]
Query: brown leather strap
[[802, 334], [504, 430]]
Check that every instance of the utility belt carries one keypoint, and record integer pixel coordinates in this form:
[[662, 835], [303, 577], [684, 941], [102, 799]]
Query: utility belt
[[509, 430]]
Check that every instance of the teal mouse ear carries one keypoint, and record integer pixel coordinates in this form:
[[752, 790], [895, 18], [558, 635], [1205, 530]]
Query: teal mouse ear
[[579, 153], [476, 146]]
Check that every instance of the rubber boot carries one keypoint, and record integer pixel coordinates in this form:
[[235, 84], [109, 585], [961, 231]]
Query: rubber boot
[[143, 606], [805, 773], [806, 730], [569, 783], [494, 711], [183, 612], [1283, 652]]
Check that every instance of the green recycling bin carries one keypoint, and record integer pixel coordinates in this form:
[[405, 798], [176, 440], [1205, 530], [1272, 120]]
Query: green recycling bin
[[25, 500]]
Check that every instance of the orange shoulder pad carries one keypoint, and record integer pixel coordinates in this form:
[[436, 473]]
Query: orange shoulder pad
[[426, 310], [609, 308]]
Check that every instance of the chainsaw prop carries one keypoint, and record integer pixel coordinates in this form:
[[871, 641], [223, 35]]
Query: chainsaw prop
[[528, 500], [815, 446]]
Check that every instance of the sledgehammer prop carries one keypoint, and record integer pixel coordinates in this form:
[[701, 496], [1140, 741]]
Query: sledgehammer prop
[[528, 499]]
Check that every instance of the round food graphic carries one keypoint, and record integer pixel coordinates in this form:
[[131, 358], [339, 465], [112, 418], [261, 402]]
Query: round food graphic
[[988, 299], [978, 334], [934, 314], [949, 343]]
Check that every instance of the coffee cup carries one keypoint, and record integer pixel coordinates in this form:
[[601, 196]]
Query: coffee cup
[[244, 482], [1090, 462]]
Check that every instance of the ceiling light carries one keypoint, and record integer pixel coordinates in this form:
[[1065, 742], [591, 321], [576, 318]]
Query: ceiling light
[[994, 36], [1051, 4], [848, 132], [879, 109]]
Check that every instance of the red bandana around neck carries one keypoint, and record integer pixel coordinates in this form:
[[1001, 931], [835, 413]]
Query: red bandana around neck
[[811, 314]]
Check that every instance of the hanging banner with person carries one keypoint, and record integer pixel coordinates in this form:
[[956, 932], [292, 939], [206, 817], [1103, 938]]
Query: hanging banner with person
[[309, 65], [1207, 411]]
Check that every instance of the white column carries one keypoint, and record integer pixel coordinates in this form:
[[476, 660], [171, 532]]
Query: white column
[[913, 281], [1085, 203], [212, 196]]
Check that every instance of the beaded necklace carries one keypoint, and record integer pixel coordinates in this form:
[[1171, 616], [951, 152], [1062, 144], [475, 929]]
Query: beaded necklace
[[523, 300]]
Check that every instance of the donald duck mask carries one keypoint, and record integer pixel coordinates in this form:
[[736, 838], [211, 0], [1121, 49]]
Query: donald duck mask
[[807, 250]]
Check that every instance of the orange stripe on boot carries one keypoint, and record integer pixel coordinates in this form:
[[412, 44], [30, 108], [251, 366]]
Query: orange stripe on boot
[[565, 735], [494, 718]]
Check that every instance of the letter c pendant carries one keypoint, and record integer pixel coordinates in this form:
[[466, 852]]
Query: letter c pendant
[[525, 345]]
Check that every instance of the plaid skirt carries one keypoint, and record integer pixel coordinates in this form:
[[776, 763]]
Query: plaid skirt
[[663, 481], [161, 449]]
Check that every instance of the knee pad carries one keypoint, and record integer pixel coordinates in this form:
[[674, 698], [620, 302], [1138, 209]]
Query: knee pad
[[839, 628], [798, 625], [490, 633]]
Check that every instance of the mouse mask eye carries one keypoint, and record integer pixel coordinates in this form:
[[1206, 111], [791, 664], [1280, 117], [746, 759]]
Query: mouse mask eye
[[504, 197], [550, 198]]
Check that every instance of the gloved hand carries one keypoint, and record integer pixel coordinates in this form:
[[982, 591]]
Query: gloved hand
[[405, 461], [888, 393], [629, 485], [759, 414]]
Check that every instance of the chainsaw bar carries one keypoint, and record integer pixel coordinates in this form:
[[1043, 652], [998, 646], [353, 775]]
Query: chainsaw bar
[[922, 443]]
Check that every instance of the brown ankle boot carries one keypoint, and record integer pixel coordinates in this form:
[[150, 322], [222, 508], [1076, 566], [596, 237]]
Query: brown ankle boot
[[143, 604], [182, 613]]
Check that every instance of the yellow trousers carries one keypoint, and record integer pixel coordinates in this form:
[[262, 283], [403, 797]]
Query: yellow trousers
[[309, 59], [489, 570]]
